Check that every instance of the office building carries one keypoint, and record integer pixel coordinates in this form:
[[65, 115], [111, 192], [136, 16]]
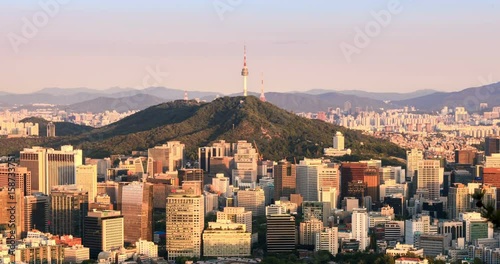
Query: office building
[[434, 244], [281, 233], [147, 248], [137, 211], [245, 162], [226, 239], [412, 159], [220, 185], [86, 176], [359, 227], [475, 226], [51, 167], [190, 175], [308, 230], [318, 210], [252, 200], [68, 210], [237, 215], [429, 174], [458, 200], [20, 175], [285, 180], [103, 231], [492, 145], [217, 150], [313, 175], [165, 158], [327, 239], [184, 225], [37, 212], [8, 199]]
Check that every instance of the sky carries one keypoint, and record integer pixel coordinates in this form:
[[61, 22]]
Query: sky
[[377, 46]]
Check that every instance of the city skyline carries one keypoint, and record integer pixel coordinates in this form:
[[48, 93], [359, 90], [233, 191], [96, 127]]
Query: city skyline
[[99, 45]]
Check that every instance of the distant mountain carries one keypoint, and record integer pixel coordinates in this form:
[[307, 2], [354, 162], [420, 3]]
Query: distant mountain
[[469, 98], [122, 104], [278, 133], [68, 96], [300, 102], [62, 128], [389, 96]]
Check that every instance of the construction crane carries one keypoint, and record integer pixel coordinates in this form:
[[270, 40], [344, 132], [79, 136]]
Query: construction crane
[[258, 152]]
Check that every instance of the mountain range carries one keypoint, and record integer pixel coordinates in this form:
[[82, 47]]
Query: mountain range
[[125, 99], [277, 133]]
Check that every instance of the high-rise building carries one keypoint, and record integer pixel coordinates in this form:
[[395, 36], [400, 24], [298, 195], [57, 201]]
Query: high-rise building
[[318, 210], [21, 176], [217, 150], [458, 200], [86, 176], [360, 225], [220, 185], [69, 207], [226, 239], [184, 224], [475, 226], [137, 211], [237, 215], [281, 233], [328, 239], [165, 158], [245, 162], [51, 129], [37, 212], [252, 200], [429, 173], [412, 158], [308, 230], [284, 179], [492, 145], [103, 231], [338, 141], [313, 175], [51, 167], [351, 172]]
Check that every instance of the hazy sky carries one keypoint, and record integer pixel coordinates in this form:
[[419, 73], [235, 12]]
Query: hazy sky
[[197, 45]]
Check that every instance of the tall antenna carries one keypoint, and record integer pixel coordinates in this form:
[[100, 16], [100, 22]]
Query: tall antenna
[[262, 95]]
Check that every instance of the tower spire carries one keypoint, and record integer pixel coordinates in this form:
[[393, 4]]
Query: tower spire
[[244, 71], [262, 95]]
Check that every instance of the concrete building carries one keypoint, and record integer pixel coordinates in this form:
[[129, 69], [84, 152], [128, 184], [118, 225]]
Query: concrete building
[[308, 230], [237, 215], [86, 176], [313, 175], [458, 200], [51, 167], [76, 254], [103, 231], [429, 175], [220, 185], [184, 225], [434, 244], [327, 239], [245, 162], [137, 211], [165, 158], [318, 210], [68, 210], [359, 227], [252, 200], [285, 180], [281, 233], [413, 157], [147, 248], [226, 239], [37, 212], [404, 249]]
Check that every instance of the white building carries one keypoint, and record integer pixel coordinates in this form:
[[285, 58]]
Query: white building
[[327, 239], [148, 248], [360, 227]]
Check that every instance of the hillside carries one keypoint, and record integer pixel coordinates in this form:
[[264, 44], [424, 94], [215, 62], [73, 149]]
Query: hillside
[[278, 133], [469, 98], [62, 128]]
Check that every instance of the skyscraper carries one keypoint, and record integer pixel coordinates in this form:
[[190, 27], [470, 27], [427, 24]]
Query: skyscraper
[[412, 158], [245, 162], [37, 212], [51, 167], [284, 179], [244, 71], [165, 158], [314, 175], [103, 231], [458, 200], [69, 207], [308, 230], [351, 172], [492, 145], [184, 224], [137, 211], [429, 172], [328, 239], [21, 174], [86, 176]]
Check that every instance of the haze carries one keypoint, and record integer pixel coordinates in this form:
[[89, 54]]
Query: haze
[[445, 45]]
